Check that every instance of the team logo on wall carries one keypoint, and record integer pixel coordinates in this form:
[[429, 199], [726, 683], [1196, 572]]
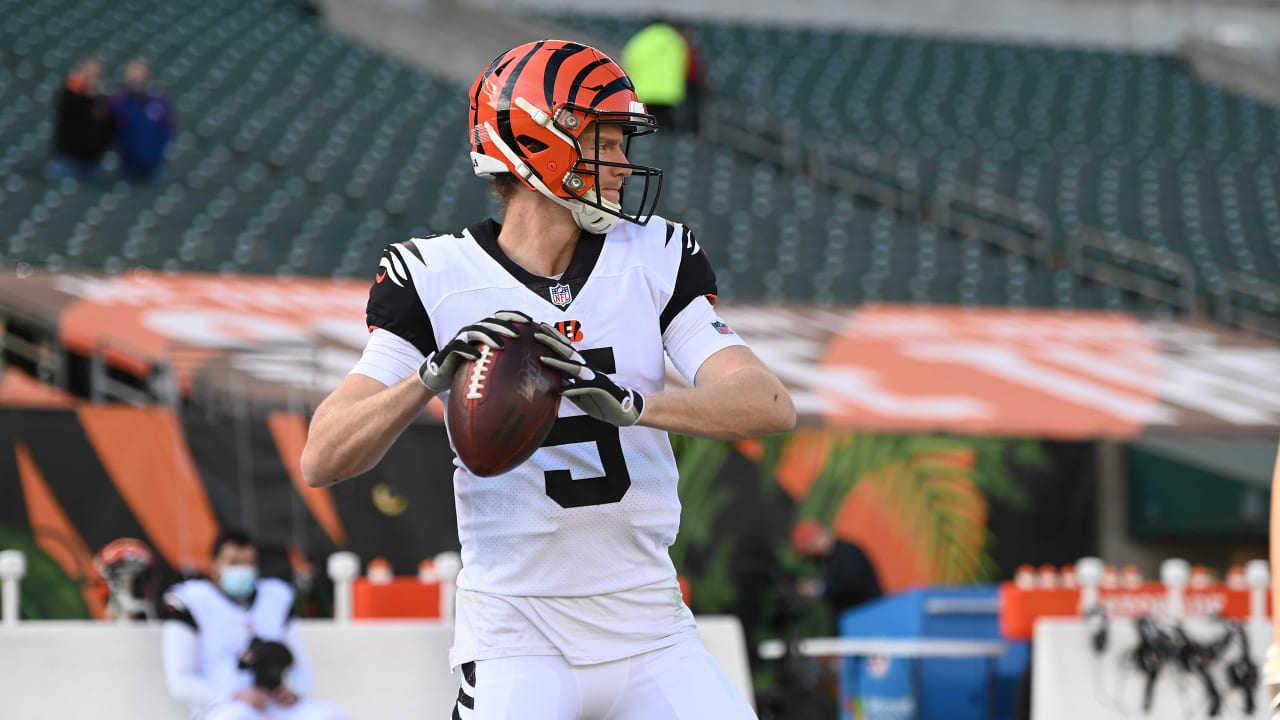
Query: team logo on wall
[[561, 295]]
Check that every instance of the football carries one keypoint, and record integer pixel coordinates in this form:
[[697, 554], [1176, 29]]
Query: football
[[503, 404]]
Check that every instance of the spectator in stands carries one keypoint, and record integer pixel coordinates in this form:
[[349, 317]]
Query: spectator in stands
[[143, 125], [848, 577], [83, 124], [231, 650], [695, 84], [657, 59]]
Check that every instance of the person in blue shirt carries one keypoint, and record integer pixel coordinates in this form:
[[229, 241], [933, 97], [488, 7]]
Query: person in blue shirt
[[143, 125]]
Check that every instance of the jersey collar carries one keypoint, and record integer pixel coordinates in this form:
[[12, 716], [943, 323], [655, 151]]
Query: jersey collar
[[559, 293]]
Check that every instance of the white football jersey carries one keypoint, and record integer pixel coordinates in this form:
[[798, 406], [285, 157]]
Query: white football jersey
[[595, 509], [225, 627]]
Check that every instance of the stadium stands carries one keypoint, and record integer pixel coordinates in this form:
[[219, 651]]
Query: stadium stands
[[297, 152], [1130, 144], [300, 152]]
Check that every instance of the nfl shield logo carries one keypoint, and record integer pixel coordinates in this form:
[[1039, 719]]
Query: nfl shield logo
[[561, 295]]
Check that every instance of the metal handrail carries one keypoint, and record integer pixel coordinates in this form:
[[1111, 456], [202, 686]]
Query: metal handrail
[[1256, 292], [1120, 262], [863, 172], [1016, 227], [753, 130]]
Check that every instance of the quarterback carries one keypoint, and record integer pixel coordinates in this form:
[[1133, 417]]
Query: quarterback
[[568, 605]]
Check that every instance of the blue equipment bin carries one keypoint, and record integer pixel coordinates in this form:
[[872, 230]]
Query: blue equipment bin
[[900, 688]]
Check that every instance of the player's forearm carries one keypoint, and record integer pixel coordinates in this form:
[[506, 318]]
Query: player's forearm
[[349, 437], [746, 403], [179, 649]]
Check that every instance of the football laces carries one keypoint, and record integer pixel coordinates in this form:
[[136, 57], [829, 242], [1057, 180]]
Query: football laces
[[479, 373]]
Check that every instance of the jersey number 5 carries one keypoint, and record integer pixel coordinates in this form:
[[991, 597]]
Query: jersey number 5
[[601, 490]]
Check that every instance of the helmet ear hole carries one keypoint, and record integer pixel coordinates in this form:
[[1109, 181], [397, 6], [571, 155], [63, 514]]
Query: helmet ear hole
[[532, 144]]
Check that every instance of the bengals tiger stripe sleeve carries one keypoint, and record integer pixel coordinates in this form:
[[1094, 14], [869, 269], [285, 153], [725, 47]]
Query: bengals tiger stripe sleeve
[[394, 303], [694, 277]]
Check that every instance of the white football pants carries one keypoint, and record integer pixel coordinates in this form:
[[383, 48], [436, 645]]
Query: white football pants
[[681, 682]]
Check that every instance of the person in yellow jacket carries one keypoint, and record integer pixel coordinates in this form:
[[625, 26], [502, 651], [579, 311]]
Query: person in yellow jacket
[[657, 59]]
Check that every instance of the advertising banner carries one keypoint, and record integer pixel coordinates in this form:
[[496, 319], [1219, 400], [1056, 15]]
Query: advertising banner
[[969, 371]]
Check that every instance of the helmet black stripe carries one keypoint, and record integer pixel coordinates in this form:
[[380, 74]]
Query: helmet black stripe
[[582, 76], [504, 100], [475, 101], [554, 63], [617, 86]]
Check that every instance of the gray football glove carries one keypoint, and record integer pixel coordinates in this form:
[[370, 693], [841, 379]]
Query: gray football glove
[[589, 389], [436, 372]]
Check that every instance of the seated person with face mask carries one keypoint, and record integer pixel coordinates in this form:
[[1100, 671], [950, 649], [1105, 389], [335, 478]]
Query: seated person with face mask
[[231, 650]]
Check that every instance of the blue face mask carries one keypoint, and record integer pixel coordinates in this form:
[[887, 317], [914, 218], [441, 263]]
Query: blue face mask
[[238, 581]]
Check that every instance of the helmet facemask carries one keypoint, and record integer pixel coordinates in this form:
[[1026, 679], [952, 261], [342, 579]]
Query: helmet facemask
[[583, 179]]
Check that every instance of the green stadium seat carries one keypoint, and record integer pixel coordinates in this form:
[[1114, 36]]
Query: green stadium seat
[[1128, 143], [299, 152]]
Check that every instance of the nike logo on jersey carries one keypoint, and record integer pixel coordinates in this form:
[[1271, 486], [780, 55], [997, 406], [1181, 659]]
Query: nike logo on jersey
[[393, 267]]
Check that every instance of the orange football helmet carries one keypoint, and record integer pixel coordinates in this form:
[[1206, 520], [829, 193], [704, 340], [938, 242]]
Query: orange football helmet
[[125, 567], [529, 110]]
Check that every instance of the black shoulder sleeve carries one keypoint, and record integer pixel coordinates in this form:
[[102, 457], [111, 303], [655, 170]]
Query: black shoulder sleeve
[[394, 303], [694, 278], [172, 608]]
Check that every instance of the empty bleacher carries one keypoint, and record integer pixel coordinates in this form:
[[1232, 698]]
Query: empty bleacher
[[300, 152], [777, 236], [1128, 144]]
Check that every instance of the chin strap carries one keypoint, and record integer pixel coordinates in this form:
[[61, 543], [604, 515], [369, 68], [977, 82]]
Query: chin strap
[[586, 216], [590, 218]]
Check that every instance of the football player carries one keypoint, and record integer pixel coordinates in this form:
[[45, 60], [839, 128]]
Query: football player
[[212, 633], [568, 605]]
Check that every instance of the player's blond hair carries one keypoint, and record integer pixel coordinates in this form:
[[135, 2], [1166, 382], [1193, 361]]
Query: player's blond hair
[[505, 187]]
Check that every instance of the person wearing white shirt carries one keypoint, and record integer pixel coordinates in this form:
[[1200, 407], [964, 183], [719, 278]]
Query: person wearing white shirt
[[208, 629]]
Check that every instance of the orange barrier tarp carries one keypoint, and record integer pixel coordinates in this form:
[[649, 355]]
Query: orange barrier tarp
[[1021, 607]]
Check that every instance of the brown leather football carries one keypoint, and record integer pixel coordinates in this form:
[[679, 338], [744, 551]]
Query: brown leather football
[[502, 405]]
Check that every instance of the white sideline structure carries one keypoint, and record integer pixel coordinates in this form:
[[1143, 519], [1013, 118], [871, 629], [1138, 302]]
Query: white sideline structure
[[1070, 679], [373, 669]]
